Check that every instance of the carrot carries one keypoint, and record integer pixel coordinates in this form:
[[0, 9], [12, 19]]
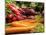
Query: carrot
[[16, 29], [22, 23], [20, 29]]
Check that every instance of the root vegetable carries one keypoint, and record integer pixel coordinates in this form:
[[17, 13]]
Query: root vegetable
[[28, 12], [10, 16], [14, 18], [20, 29], [15, 10], [22, 23], [16, 29]]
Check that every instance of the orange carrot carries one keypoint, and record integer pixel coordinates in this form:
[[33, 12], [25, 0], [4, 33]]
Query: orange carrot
[[16, 29], [22, 23]]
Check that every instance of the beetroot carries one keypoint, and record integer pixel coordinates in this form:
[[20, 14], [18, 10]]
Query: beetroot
[[27, 11]]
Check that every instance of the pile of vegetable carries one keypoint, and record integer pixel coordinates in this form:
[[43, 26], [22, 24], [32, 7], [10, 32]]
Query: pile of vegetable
[[24, 16]]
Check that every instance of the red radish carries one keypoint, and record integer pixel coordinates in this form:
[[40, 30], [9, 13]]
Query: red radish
[[15, 10]]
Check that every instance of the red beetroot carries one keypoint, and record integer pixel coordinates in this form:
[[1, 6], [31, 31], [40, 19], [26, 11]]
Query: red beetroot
[[28, 11]]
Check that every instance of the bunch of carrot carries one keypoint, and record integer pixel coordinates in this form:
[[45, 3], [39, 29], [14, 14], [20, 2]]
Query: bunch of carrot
[[21, 26]]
